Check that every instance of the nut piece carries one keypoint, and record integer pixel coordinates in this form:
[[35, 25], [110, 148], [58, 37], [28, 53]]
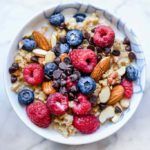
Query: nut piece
[[100, 68], [125, 103], [121, 71], [50, 56], [53, 39], [116, 94], [104, 94], [39, 52], [41, 40], [107, 113], [48, 88], [116, 117]]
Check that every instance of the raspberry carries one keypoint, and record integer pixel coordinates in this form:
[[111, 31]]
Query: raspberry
[[81, 106], [128, 87], [86, 124], [39, 114], [57, 104], [33, 74], [83, 60], [70, 83], [104, 36]]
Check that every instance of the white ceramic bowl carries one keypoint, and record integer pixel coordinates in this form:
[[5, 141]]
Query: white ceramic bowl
[[105, 130]]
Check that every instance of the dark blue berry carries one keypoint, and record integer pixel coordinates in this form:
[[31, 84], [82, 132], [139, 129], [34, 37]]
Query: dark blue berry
[[64, 48], [74, 37], [56, 19], [79, 17], [49, 68], [25, 96], [28, 44], [86, 85], [131, 73]]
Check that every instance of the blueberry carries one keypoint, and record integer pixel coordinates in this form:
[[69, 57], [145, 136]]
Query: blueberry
[[79, 17], [64, 48], [74, 37], [28, 44], [56, 19], [26, 96], [131, 73], [86, 85], [49, 68]]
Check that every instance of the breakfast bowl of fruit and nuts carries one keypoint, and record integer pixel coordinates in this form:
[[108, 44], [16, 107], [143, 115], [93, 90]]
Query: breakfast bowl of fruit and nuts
[[75, 74]]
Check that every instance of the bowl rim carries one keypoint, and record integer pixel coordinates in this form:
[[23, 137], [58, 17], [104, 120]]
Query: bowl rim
[[6, 72]]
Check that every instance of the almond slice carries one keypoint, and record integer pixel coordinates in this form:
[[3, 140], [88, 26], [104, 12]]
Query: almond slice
[[39, 52], [107, 113], [41, 40], [104, 94], [116, 94]]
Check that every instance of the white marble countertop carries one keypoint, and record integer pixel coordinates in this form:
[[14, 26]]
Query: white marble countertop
[[14, 135]]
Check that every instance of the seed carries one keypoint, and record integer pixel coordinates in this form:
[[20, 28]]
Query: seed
[[13, 79], [116, 52], [126, 41], [132, 56]]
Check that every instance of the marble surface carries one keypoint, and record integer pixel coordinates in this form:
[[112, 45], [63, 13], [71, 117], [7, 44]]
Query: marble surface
[[14, 135]]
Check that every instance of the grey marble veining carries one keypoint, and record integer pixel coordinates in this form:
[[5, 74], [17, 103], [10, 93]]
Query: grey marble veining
[[14, 135]]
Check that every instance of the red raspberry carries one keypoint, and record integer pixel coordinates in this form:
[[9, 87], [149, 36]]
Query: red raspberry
[[86, 124], [128, 88], [104, 36], [69, 83], [83, 60], [39, 114], [33, 74], [57, 103], [81, 106]]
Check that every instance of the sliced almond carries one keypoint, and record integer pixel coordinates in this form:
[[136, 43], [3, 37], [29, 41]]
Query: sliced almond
[[49, 57], [53, 39], [125, 103], [123, 61], [107, 113], [116, 117], [39, 52], [121, 71], [104, 94], [116, 94]]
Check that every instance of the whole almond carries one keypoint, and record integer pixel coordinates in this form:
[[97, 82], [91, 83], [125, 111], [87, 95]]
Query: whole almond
[[116, 94], [41, 40], [100, 68]]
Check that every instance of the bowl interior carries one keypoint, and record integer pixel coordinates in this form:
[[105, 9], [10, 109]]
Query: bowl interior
[[122, 30]]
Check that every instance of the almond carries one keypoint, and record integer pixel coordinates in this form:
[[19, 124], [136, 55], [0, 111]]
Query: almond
[[100, 68], [48, 88], [39, 52], [104, 94], [41, 40], [116, 94]]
